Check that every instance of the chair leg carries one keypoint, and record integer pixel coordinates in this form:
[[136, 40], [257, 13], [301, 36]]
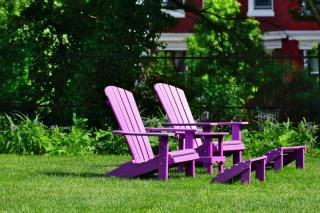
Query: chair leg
[[237, 157], [300, 158], [181, 146], [209, 168], [163, 163], [261, 170], [220, 167], [278, 163], [246, 176], [191, 168]]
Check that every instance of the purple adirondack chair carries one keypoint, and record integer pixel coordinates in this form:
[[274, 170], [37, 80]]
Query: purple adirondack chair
[[179, 114], [144, 161]]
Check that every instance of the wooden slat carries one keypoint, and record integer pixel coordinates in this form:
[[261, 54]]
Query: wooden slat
[[122, 118], [184, 103], [174, 110], [166, 104], [136, 115], [184, 109], [176, 106], [133, 123]]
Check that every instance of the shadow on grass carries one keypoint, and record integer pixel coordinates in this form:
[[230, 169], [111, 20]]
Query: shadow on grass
[[173, 174], [73, 174]]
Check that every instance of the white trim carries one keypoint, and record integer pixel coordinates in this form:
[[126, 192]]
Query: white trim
[[307, 45], [175, 13], [271, 40], [307, 39], [259, 12], [272, 44], [178, 13], [175, 41], [304, 35], [274, 35]]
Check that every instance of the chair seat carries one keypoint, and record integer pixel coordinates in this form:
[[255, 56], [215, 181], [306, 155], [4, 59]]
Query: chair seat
[[183, 155], [229, 146], [182, 152]]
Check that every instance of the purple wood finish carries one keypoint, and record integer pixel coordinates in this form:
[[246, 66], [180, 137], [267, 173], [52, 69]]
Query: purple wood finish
[[144, 161], [280, 157], [163, 163], [179, 114], [157, 134], [223, 123], [243, 171], [169, 129], [123, 109]]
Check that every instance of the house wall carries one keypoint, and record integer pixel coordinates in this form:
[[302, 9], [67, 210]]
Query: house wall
[[283, 19], [186, 24], [283, 34]]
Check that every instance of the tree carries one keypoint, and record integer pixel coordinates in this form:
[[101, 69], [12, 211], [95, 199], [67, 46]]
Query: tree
[[56, 56], [234, 52], [315, 8]]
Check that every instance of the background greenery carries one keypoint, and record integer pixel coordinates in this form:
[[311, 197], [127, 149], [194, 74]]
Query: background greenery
[[20, 134], [57, 56]]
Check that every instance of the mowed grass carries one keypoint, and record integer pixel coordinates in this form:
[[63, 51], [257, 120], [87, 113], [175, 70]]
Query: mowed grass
[[77, 184]]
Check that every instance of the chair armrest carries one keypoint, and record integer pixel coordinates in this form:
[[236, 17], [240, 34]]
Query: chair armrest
[[227, 123], [207, 123], [156, 134], [155, 129], [211, 134]]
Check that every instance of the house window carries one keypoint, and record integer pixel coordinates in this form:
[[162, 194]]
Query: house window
[[262, 4], [175, 12], [314, 65], [179, 61], [260, 8], [171, 3]]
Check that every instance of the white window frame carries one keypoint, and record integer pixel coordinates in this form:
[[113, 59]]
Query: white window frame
[[178, 13], [260, 12]]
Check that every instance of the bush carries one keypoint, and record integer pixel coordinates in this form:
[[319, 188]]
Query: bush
[[271, 135], [20, 134]]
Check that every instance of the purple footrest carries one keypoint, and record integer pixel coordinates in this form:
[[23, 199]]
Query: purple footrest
[[280, 157], [243, 170], [276, 158]]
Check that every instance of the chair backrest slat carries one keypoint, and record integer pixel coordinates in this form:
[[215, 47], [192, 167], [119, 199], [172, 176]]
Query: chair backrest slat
[[176, 106], [126, 112], [137, 123], [173, 111]]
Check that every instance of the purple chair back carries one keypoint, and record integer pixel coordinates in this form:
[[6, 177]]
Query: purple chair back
[[175, 104], [126, 112]]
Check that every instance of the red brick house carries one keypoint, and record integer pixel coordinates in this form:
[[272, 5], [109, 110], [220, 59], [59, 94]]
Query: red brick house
[[288, 29]]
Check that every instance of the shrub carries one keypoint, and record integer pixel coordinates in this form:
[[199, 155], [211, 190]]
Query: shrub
[[29, 136], [271, 135], [21, 135]]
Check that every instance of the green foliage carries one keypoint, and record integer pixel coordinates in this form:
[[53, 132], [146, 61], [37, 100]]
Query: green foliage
[[233, 70], [272, 135], [157, 121], [109, 143], [57, 56], [21, 135]]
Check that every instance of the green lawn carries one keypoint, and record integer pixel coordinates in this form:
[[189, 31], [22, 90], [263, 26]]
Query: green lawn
[[64, 184]]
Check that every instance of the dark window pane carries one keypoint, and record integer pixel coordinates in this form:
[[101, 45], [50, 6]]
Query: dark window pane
[[171, 3], [262, 4]]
